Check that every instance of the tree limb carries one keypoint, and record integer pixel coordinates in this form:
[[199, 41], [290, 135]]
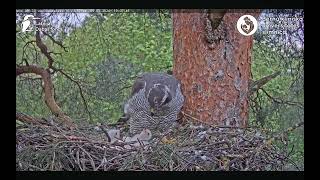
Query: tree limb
[[44, 49], [42, 46], [48, 91], [256, 85], [26, 118]]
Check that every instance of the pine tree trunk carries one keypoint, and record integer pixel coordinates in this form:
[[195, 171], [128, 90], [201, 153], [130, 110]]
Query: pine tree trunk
[[212, 60]]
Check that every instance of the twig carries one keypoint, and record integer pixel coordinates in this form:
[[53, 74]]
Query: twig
[[24, 49], [56, 42], [80, 89], [52, 163], [88, 154], [30, 165], [280, 101]]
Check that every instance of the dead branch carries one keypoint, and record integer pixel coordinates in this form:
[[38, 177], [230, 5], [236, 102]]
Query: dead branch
[[46, 78], [26, 118], [256, 85], [48, 91]]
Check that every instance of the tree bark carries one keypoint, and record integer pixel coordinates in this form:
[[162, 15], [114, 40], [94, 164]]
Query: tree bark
[[212, 60]]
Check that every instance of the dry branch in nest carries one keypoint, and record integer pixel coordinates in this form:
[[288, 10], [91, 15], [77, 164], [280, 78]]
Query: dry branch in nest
[[187, 147]]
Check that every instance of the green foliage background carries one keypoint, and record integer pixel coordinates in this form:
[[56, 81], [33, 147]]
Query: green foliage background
[[109, 50], [106, 53]]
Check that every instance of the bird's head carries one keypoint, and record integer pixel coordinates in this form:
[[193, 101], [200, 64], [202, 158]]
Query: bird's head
[[145, 135], [158, 96]]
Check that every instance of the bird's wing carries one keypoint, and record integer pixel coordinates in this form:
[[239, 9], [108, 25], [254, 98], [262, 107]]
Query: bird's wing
[[138, 85]]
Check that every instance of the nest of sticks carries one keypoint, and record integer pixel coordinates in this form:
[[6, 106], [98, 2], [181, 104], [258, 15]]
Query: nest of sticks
[[191, 146]]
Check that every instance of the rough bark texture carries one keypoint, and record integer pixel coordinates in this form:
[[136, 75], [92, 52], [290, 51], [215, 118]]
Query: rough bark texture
[[213, 66]]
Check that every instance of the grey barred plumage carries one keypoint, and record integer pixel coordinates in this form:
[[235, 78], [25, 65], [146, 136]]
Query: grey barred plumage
[[155, 102]]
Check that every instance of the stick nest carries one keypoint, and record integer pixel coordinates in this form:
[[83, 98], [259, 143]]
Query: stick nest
[[189, 147]]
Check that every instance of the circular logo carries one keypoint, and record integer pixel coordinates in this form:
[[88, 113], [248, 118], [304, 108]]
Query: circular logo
[[247, 25]]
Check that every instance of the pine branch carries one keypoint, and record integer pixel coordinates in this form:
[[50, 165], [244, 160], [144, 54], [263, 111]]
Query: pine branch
[[256, 85]]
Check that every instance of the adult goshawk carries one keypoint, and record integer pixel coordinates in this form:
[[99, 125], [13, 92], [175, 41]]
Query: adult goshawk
[[155, 102]]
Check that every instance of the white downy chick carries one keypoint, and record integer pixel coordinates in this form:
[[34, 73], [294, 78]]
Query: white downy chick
[[143, 137], [114, 135]]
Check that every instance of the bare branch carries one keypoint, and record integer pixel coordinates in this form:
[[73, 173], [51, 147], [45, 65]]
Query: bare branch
[[79, 86], [42, 46], [288, 130], [44, 49], [48, 91], [26, 118], [281, 101], [29, 69], [56, 42], [256, 85], [24, 49]]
